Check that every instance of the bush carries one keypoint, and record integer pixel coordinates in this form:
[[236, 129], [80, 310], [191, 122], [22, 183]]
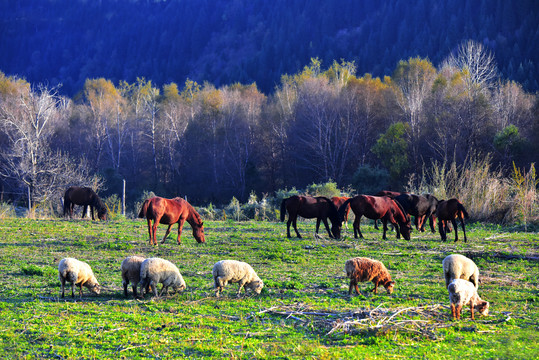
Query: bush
[[328, 189], [369, 180]]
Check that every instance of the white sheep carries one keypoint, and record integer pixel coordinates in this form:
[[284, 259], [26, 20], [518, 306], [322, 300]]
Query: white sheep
[[77, 273], [156, 270], [458, 266], [462, 293], [233, 271], [131, 273], [362, 269]]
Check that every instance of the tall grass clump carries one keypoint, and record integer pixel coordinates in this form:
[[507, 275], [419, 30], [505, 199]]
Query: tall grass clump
[[7, 211], [524, 207], [485, 191]]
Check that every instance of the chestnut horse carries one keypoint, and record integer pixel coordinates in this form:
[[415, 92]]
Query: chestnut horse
[[421, 207], [170, 212], [85, 197], [378, 207], [338, 201], [309, 207], [449, 210], [391, 194]]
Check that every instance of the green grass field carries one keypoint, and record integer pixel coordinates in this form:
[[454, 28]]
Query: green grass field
[[304, 310]]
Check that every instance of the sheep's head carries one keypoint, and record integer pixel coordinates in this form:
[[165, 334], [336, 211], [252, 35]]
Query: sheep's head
[[256, 286], [482, 308], [94, 287], [178, 288], [389, 286]]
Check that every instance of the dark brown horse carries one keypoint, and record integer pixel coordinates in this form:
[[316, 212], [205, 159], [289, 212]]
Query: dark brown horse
[[378, 207], [338, 201], [450, 210], [309, 207], [85, 197], [421, 207], [170, 212]]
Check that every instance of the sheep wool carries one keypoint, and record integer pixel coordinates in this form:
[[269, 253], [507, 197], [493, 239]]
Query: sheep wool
[[233, 271], [361, 269], [463, 293], [77, 273], [130, 269], [458, 266], [156, 270]]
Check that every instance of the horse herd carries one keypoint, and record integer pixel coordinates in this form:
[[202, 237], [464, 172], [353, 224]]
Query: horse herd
[[387, 206]]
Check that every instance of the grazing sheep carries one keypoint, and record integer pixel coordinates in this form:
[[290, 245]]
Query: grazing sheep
[[131, 273], [462, 293], [156, 270], [362, 269], [77, 273], [458, 266], [232, 271]]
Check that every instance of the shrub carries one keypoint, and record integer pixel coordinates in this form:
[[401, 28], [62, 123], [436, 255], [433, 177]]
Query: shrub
[[7, 211], [328, 189], [370, 180]]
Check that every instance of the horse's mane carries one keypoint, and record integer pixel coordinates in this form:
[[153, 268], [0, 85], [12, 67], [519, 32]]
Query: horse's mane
[[333, 211], [406, 216]]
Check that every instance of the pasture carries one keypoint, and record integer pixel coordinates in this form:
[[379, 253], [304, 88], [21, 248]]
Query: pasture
[[304, 310]]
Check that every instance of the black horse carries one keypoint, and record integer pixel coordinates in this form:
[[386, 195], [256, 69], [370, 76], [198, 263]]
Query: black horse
[[85, 197], [421, 207], [309, 207]]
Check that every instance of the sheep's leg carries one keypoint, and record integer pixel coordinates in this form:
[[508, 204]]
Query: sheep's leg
[[125, 288], [350, 287], [453, 311], [357, 289], [447, 279], [80, 290], [180, 228], [153, 288], [166, 233], [454, 222], [375, 290], [164, 289], [241, 287], [73, 289], [62, 283], [134, 291], [459, 309], [471, 310]]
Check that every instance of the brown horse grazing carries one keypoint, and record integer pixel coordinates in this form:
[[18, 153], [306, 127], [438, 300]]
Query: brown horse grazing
[[391, 194], [85, 197], [378, 207], [309, 207], [338, 201], [170, 212], [449, 210]]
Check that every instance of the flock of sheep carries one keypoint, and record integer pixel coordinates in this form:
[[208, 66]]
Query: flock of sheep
[[461, 278]]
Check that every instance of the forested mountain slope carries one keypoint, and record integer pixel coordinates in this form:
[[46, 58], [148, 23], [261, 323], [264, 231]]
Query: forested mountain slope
[[221, 41]]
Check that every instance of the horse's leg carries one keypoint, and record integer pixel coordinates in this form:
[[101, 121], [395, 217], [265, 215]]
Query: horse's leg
[[92, 211], [454, 222], [463, 229], [166, 233], [154, 230], [327, 228], [441, 229], [84, 209], [432, 223], [384, 226], [288, 227], [180, 228], [356, 227], [317, 225], [376, 224], [150, 230], [295, 224]]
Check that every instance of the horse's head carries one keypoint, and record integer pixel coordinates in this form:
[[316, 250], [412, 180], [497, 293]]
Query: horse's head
[[336, 230], [102, 213], [198, 233], [406, 228]]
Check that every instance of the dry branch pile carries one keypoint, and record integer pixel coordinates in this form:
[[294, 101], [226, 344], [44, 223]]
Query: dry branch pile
[[420, 320]]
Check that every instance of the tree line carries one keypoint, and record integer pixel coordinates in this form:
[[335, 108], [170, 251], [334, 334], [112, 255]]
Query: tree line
[[213, 143]]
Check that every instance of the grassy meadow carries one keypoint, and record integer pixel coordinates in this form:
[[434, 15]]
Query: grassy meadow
[[304, 310]]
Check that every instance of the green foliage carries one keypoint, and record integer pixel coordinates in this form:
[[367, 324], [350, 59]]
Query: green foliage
[[509, 140], [328, 189], [370, 180], [392, 149], [114, 206], [32, 270], [526, 199]]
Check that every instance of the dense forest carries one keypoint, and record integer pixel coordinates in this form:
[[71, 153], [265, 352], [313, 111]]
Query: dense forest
[[224, 98], [223, 42]]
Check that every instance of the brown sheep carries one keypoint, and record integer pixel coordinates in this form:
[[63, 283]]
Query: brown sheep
[[362, 269]]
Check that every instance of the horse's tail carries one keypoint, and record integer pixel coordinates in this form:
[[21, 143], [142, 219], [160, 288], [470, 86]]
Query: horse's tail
[[463, 210], [342, 209], [67, 203], [283, 209], [144, 208]]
